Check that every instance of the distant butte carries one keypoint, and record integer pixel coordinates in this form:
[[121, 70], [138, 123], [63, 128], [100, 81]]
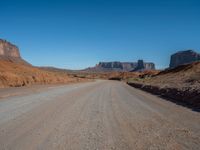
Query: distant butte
[[122, 66], [10, 52], [183, 57]]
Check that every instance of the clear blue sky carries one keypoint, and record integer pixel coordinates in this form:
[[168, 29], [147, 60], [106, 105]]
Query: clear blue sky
[[76, 34]]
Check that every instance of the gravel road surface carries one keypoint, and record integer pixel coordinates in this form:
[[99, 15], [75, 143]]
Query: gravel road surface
[[101, 115]]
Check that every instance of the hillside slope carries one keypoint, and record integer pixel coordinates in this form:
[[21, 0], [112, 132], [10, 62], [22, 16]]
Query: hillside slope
[[14, 75], [15, 71], [181, 84], [184, 76]]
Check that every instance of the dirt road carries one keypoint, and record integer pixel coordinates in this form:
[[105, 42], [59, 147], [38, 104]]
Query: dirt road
[[102, 115]]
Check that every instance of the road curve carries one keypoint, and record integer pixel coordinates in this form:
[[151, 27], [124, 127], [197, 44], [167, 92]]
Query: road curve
[[101, 115]]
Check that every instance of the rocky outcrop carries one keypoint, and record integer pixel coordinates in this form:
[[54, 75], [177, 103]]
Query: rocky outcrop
[[185, 97], [10, 52], [15, 72], [149, 66], [122, 66], [183, 57], [180, 84], [109, 65], [142, 66]]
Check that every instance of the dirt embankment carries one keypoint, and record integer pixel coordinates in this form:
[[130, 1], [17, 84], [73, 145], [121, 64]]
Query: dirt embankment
[[16, 75], [181, 84], [187, 96]]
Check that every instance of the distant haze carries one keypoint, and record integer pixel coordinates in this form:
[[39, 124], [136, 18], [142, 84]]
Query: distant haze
[[77, 34]]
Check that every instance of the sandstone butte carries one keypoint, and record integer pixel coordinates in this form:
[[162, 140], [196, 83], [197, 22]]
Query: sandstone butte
[[15, 72]]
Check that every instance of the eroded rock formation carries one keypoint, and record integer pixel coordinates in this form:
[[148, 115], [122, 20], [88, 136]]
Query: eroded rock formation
[[10, 52], [122, 66], [183, 57]]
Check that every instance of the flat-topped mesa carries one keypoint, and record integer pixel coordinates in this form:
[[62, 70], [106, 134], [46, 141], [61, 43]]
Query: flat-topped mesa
[[184, 57], [122, 66], [8, 50], [142, 66], [116, 66]]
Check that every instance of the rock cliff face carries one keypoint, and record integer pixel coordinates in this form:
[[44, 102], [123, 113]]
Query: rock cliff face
[[16, 72], [122, 66], [10, 52], [109, 65], [183, 57], [141, 66]]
